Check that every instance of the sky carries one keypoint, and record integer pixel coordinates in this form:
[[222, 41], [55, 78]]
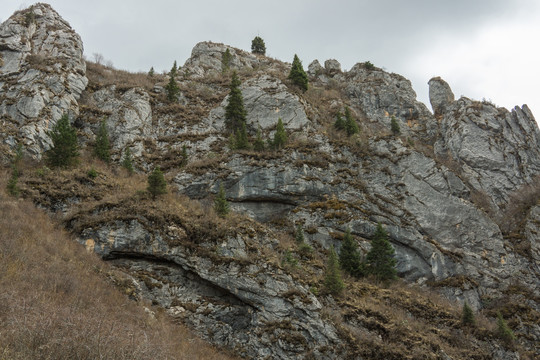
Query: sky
[[485, 49]]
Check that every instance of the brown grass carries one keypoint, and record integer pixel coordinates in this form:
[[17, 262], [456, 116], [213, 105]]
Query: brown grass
[[55, 304], [101, 75]]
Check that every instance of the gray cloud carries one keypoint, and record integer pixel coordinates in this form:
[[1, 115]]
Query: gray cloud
[[401, 36]]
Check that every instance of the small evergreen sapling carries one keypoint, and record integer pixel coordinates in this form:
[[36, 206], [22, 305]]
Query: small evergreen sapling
[[12, 187], [299, 234], [172, 89], [332, 277], [241, 139], [221, 205], [65, 149], [394, 125], [258, 144], [184, 156], [380, 258], [156, 183], [280, 136], [102, 146], [151, 72], [174, 70], [503, 330], [350, 124], [350, 259], [467, 315], [127, 162], [340, 123], [297, 74], [226, 60], [258, 46]]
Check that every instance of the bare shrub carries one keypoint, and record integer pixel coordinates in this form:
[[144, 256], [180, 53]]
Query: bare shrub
[[519, 204]]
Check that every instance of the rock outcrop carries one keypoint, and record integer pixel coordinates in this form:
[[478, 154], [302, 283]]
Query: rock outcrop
[[440, 189], [42, 74], [440, 95]]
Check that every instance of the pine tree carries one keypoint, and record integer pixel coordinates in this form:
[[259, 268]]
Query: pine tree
[[350, 124], [127, 162], [241, 138], [380, 259], [156, 183], [221, 205], [503, 330], [332, 278], [299, 234], [12, 187], [172, 89], [151, 72], [350, 259], [174, 70], [467, 315], [258, 46], [394, 125], [65, 150], [340, 123], [184, 155], [258, 145], [280, 137], [297, 74], [235, 114], [226, 59], [102, 146]]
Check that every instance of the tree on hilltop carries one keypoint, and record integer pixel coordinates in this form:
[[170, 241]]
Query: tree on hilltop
[[297, 74], [258, 46], [172, 89]]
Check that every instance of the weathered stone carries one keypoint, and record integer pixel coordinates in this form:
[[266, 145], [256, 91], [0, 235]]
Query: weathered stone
[[440, 95], [497, 150], [266, 100], [315, 69], [332, 66], [206, 57], [43, 51]]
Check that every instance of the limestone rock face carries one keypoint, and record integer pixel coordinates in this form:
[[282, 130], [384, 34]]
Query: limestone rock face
[[226, 299], [332, 66], [206, 57], [440, 95], [266, 99], [382, 95], [128, 117], [497, 150], [42, 74]]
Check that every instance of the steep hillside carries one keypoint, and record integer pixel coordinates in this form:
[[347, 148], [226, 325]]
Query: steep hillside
[[58, 302], [457, 190]]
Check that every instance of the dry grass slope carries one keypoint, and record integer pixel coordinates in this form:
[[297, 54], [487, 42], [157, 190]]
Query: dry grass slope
[[56, 304]]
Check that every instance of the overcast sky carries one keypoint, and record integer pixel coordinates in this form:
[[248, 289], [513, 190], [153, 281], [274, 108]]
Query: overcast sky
[[483, 48]]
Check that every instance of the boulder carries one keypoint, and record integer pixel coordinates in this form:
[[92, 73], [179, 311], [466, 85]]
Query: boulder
[[440, 95]]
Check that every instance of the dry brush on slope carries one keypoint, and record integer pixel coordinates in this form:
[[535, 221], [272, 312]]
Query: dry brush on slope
[[59, 302]]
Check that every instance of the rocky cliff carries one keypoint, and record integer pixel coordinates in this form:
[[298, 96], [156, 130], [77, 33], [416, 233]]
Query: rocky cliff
[[449, 190]]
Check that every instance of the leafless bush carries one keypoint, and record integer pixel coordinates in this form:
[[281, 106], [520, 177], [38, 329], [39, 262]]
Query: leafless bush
[[519, 204]]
